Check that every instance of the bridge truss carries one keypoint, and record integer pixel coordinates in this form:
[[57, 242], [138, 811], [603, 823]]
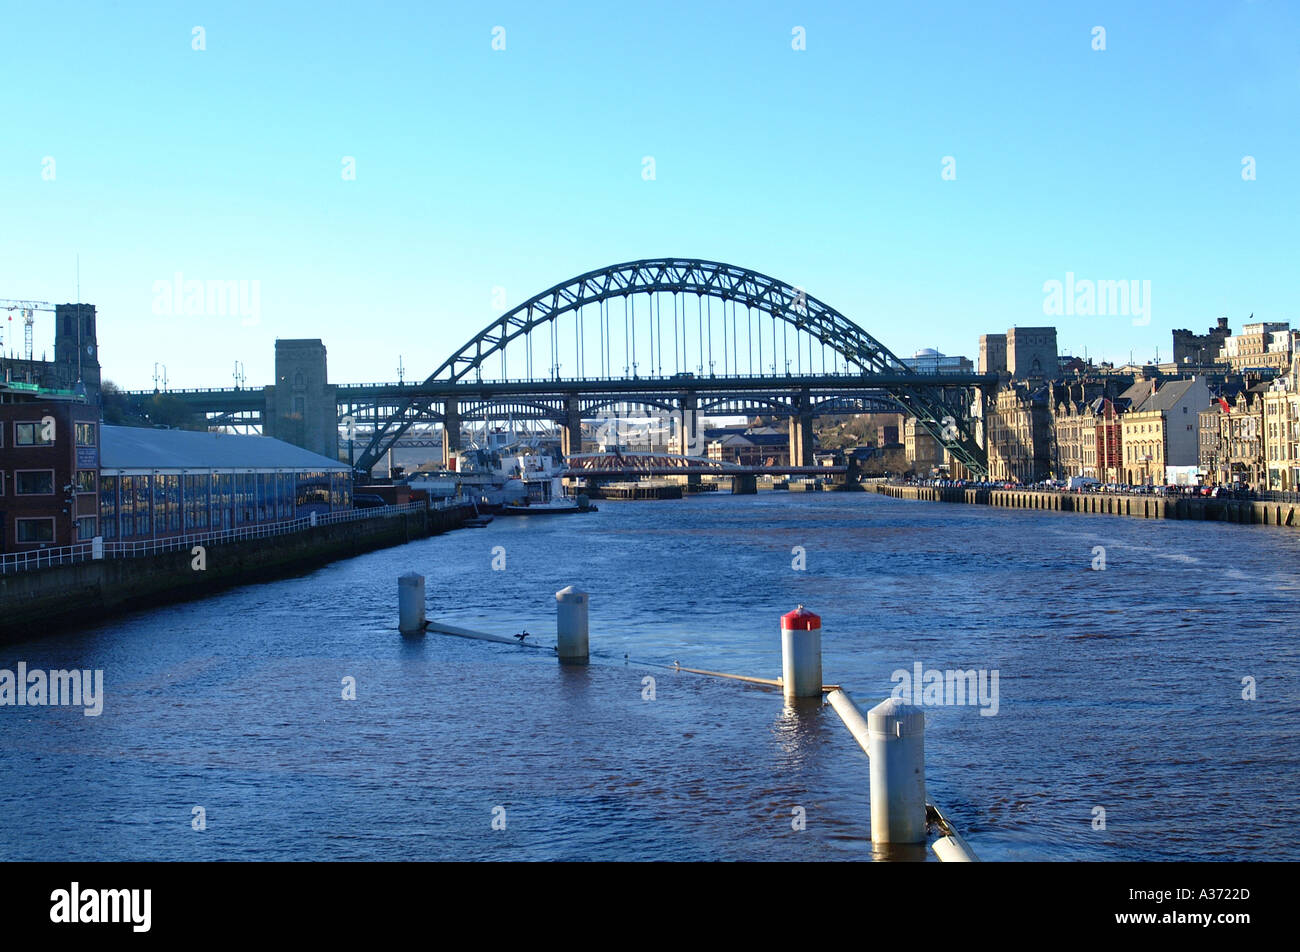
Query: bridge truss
[[679, 334]]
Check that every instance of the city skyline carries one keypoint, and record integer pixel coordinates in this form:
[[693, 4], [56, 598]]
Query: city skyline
[[865, 166]]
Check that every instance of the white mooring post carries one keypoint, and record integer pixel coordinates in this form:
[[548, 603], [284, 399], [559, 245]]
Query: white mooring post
[[410, 603], [896, 733], [571, 625], [801, 654]]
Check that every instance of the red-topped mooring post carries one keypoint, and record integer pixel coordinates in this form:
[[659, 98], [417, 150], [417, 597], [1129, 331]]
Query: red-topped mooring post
[[801, 654]]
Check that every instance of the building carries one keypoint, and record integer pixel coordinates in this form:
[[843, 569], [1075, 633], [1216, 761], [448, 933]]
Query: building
[[1282, 431], [1019, 434], [1243, 435], [1103, 444], [1213, 457], [1200, 349], [49, 462], [76, 353], [1072, 421], [159, 483], [758, 446], [930, 361], [922, 451], [993, 354], [1085, 431], [1031, 353], [1265, 347], [1161, 432]]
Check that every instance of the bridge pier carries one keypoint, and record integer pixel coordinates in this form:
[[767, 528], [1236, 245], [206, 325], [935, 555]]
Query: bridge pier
[[744, 485], [571, 434], [689, 443], [450, 430], [801, 436]]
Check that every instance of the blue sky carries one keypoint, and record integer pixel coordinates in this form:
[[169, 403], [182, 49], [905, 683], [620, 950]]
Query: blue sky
[[478, 169]]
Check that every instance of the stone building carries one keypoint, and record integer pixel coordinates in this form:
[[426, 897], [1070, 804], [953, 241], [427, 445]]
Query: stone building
[[923, 451], [1079, 407], [1243, 436], [1032, 354], [76, 355], [1261, 346], [1200, 349], [1281, 419], [1213, 456], [1161, 431], [1019, 434]]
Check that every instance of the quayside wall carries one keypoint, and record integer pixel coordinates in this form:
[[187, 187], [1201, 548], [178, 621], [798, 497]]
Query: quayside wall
[[40, 601], [1249, 512]]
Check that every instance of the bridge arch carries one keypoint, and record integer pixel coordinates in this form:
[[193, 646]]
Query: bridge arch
[[715, 279], [864, 358]]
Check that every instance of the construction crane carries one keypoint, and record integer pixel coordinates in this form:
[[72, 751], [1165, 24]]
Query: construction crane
[[29, 309]]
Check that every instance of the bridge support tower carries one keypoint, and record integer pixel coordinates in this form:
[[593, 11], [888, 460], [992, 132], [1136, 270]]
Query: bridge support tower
[[450, 430], [571, 434], [801, 433]]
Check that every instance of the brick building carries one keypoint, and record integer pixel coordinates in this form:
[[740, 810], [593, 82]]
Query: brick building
[[49, 463]]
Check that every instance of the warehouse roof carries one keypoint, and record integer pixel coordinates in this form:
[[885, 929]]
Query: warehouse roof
[[137, 447]]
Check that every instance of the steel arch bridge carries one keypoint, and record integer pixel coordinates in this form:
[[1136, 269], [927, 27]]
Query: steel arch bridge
[[789, 354]]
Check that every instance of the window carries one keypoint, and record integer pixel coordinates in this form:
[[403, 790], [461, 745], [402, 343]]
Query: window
[[34, 434], [85, 434], [34, 482], [126, 505], [85, 480], [108, 505], [143, 519], [86, 527], [35, 530]]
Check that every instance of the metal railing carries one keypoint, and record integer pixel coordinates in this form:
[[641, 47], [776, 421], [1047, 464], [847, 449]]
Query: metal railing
[[85, 551]]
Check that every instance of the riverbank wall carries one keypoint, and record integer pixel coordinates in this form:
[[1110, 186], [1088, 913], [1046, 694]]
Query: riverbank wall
[[1247, 512], [40, 601]]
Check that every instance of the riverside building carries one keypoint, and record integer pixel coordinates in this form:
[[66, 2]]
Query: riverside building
[[159, 483]]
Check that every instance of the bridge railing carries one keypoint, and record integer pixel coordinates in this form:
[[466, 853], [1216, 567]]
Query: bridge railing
[[85, 551], [648, 379]]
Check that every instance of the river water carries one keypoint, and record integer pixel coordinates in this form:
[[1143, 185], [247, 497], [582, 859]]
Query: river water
[[1120, 689]]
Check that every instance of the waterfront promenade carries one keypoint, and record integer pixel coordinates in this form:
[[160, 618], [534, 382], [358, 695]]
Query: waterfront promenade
[[1201, 508], [82, 584]]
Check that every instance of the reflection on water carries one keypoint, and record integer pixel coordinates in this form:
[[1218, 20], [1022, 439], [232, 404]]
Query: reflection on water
[[1119, 689]]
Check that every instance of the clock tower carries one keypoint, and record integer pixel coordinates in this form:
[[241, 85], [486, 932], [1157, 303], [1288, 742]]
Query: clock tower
[[76, 349]]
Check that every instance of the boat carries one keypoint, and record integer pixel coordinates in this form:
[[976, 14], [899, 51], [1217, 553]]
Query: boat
[[545, 493]]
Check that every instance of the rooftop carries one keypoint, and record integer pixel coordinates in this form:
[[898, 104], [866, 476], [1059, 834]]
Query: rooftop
[[134, 447]]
